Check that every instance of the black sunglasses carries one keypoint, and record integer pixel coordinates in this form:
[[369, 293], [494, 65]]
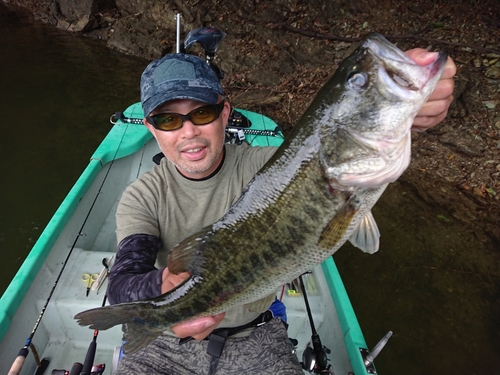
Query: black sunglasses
[[198, 116]]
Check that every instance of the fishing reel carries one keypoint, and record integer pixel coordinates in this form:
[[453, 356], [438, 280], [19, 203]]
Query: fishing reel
[[77, 370], [208, 38], [316, 360]]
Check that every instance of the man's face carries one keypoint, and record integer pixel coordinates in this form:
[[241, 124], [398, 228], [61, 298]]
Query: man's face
[[196, 150]]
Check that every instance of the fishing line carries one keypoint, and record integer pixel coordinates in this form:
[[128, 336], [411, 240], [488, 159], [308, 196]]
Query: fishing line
[[23, 353]]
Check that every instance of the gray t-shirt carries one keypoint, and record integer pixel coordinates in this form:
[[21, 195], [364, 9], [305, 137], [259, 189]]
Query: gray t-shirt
[[162, 204]]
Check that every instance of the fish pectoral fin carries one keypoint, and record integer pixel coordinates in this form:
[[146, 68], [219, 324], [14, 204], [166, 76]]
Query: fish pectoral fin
[[137, 336], [366, 235], [338, 225]]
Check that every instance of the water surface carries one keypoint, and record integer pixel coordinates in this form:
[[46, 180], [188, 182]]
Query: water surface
[[57, 92], [434, 283]]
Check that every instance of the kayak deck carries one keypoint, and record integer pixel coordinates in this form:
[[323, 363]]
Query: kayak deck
[[64, 342], [88, 235]]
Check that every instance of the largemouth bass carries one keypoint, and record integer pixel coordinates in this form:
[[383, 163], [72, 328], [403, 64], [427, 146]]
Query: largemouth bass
[[314, 194]]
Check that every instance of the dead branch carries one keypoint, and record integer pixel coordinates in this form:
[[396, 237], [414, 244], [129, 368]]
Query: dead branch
[[327, 36]]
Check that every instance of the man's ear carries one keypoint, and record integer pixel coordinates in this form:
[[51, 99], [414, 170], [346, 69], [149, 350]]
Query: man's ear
[[225, 113], [149, 126]]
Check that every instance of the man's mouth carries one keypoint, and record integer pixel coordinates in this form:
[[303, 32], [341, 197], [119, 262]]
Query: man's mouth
[[194, 150], [195, 153]]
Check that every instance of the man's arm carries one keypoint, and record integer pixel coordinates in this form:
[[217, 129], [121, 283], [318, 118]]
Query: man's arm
[[436, 108], [134, 275]]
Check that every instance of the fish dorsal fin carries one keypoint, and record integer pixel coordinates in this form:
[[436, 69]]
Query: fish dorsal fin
[[366, 235], [336, 228], [187, 255]]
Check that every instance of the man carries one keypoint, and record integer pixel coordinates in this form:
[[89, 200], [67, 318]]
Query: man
[[194, 185]]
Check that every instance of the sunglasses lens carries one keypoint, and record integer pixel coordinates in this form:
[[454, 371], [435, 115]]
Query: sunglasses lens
[[167, 121], [198, 116], [203, 115]]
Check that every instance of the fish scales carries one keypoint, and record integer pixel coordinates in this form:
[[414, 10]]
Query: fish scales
[[314, 194], [286, 238]]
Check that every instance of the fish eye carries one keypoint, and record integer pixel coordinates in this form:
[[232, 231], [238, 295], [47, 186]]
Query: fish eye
[[357, 80]]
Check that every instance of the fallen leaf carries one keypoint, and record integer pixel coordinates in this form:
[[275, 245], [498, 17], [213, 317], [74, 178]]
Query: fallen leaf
[[444, 218], [477, 191], [491, 191]]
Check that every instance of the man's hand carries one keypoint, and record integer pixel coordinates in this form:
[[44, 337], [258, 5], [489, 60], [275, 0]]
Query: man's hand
[[198, 328], [436, 107]]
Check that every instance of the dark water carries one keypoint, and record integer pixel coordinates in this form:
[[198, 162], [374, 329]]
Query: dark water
[[434, 283], [57, 93]]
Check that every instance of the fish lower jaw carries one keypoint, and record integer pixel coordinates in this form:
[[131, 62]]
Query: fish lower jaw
[[349, 179], [350, 182], [335, 187]]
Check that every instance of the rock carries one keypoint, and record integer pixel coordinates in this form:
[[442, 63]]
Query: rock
[[86, 23], [493, 72], [133, 36], [490, 104], [75, 10], [279, 79], [264, 78], [129, 7]]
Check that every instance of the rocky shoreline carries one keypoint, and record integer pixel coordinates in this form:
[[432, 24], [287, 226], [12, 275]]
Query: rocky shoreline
[[277, 70]]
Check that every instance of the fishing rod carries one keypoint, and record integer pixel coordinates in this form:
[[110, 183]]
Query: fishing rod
[[235, 118], [18, 363], [314, 359], [87, 367], [90, 356]]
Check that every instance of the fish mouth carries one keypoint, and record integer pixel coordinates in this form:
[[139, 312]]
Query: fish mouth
[[398, 75], [376, 171], [381, 141]]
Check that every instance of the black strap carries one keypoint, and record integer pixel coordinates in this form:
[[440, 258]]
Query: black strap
[[261, 319], [217, 339], [216, 342]]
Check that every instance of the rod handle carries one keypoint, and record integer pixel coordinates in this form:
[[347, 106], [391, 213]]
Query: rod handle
[[43, 366], [89, 359], [76, 369], [18, 363]]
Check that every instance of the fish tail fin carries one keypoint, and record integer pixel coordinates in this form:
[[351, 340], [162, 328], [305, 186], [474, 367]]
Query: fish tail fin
[[103, 318], [137, 330]]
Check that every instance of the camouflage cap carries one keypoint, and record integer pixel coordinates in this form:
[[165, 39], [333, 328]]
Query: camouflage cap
[[178, 76]]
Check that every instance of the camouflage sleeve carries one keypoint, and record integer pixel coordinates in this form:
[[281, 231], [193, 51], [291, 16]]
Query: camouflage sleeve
[[134, 275]]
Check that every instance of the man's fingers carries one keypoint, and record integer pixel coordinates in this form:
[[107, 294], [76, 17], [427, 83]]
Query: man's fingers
[[171, 280], [450, 69], [423, 57], [198, 328], [435, 108], [444, 89]]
